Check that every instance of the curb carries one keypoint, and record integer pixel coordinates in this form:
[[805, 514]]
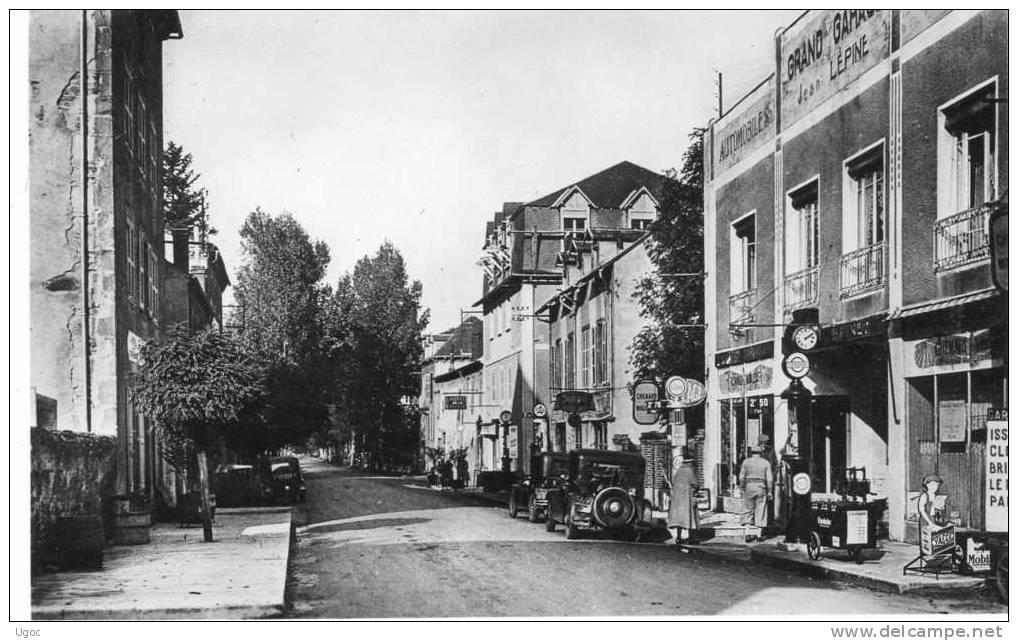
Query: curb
[[950, 584]]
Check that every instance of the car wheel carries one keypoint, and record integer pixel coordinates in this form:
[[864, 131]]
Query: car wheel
[[513, 508], [572, 531], [813, 546], [549, 522], [534, 516], [1001, 572]]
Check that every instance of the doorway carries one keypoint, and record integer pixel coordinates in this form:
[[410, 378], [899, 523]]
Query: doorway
[[828, 440]]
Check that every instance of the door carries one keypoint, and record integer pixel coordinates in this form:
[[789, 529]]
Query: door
[[829, 440]]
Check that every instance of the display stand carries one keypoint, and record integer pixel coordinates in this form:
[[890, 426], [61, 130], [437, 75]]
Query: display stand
[[936, 553]]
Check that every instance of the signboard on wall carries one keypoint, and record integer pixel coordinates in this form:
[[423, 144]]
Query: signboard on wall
[[996, 470], [826, 52], [456, 402], [745, 128], [952, 421], [734, 382]]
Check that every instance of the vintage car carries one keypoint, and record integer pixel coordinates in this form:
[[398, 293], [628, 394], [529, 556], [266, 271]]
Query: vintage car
[[285, 483], [605, 493], [548, 471]]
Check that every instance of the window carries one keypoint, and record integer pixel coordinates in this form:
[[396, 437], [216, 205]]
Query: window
[[142, 262], [642, 210], [153, 283], [967, 163], [585, 346], [743, 254], [574, 224], [556, 364], [600, 435], [132, 246], [128, 111], [140, 136], [154, 157], [600, 352], [864, 199], [640, 223], [802, 230], [569, 361], [575, 213]]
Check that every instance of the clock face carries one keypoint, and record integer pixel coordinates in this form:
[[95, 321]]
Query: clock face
[[805, 337]]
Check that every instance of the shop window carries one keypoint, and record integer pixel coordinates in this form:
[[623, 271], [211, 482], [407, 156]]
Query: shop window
[[743, 421], [743, 254]]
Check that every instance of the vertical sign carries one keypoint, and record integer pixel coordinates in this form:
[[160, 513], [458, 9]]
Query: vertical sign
[[514, 436], [644, 392], [998, 248], [996, 470]]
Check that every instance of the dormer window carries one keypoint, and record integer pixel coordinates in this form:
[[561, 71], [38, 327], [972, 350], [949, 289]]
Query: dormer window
[[641, 209], [575, 210]]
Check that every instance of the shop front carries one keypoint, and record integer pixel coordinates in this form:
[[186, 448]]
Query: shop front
[[956, 374]]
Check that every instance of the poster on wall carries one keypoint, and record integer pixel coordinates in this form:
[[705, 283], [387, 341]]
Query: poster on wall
[[996, 470], [952, 421]]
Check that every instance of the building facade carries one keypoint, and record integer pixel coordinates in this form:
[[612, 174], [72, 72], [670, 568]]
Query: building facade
[[850, 191], [96, 224], [525, 249]]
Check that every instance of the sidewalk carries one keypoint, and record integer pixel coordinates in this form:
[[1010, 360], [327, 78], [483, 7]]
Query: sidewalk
[[178, 576]]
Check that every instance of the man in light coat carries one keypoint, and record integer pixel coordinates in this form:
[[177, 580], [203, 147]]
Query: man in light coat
[[756, 478]]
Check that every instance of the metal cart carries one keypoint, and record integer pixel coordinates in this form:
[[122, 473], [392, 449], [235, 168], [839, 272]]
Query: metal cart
[[848, 524]]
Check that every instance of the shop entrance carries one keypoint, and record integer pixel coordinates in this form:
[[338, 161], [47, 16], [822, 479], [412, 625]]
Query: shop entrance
[[829, 440]]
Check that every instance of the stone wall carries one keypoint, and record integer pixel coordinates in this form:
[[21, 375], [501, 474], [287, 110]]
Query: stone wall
[[72, 474]]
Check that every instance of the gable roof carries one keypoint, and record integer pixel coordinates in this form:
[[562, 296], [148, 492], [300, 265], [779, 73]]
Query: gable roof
[[465, 340], [609, 188]]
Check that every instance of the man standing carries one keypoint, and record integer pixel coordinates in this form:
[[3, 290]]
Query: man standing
[[768, 454], [756, 478]]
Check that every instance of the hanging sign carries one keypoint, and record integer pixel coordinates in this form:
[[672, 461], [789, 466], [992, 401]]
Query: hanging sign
[[645, 403], [694, 395], [998, 247], [456, 402], [996, 470], [675, 387], [540, 411]]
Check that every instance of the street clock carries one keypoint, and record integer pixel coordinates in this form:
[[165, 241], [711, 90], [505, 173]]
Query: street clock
[[806, 337]]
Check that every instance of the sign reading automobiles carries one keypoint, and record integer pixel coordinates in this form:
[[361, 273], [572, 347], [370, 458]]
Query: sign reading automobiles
[[745, 128], [826, 52]]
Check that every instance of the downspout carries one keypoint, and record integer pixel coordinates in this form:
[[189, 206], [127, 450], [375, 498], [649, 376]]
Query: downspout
[[85, 301]]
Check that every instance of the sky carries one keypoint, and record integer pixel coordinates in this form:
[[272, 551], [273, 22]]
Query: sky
[[416, 126]]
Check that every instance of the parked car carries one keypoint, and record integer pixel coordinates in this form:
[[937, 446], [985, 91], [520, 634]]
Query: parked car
[[548, 471], [285, 483], [605, 493]]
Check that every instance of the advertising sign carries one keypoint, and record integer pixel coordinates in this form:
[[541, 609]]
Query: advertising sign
[[540, 411], [998, 248], [694, 395], [645, 394], [826, 52], [952, 421], [996, 470], [745, 128], [456, 402], [513, 441], [856, 527], [977, 555], [933, 542]]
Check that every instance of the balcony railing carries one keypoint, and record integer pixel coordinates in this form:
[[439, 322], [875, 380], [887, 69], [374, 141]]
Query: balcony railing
[[801, 288], [963, 238], [740, 307], [863, 269]]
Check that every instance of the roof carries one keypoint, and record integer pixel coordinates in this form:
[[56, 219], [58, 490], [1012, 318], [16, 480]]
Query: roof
[[465, 340], [594, 270], [168, 23], [609, 188]]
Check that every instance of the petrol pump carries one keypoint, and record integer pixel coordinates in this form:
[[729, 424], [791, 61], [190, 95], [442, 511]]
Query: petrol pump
[[801, 336]]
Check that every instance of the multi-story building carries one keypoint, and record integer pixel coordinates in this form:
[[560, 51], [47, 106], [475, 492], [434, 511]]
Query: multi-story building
[[592, 322], [526, 246], [850, 191], [96, 223], [194, 284]]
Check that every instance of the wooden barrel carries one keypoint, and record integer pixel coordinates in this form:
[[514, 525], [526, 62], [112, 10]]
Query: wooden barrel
[[79, 542]]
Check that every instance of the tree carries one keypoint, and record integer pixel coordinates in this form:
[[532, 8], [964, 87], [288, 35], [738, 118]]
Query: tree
[[384, 325], [184, 203], [673, 298], [281, 314], [196, 386]]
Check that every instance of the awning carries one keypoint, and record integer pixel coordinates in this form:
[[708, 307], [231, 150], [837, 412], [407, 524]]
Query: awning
[[943, 303]]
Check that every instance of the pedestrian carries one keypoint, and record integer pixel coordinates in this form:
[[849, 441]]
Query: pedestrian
[[756, 478], [683, 513], [767, 452], [463, 472]]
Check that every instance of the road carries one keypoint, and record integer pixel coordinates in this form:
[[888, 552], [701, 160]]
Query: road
[[378, 547]]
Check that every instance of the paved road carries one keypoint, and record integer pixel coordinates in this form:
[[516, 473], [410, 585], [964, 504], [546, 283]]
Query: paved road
[[374, 547]]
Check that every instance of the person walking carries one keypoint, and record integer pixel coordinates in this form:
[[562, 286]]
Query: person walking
[[683, 513], [756, 478], [767, 453]]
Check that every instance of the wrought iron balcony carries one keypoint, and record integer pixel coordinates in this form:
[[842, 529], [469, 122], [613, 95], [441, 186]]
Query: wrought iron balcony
[[963, 238], [801, 288], [740, 307], [863, 269]]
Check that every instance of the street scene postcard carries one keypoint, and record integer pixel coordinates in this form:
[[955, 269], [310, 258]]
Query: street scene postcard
[[569, 315]]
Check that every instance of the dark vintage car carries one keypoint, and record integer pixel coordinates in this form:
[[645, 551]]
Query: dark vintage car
[[548, 471], [605, 493], [285, 482]]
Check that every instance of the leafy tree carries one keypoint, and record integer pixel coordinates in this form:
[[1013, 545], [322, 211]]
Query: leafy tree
[[673, 298], [384, 322], [196, 386], [281, 314], [184, 203]]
